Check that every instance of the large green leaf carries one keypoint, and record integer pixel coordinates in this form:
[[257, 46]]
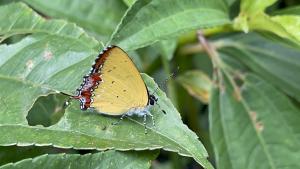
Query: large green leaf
[[255, 6], [293, 10], [290, 23], [253, 126], [149, 21], [17, 18], [253, 17], [99, 17], [45, 63], [103, 160], [275, 62]]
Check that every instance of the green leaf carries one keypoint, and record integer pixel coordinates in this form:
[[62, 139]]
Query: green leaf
[[291, 23], [129, 2], [91, 130], [242, 132], [293, 10], [103, 160], [98, 17], [167, 48], [45, 63], [275, 62], [20, 19], [149, 21], [197, 83], [253, 17], [255, 6], [231, 2]]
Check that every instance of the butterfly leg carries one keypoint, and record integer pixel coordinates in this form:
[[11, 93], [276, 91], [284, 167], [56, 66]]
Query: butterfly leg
[[121, 118], [145, 119], [153, 122]]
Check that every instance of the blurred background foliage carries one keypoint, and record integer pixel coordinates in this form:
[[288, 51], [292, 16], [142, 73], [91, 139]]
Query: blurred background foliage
[[184, 56]]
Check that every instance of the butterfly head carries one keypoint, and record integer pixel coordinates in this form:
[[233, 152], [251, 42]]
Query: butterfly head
[[152, 100]]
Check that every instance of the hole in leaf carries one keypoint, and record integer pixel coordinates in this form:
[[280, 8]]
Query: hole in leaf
[[47, 110]]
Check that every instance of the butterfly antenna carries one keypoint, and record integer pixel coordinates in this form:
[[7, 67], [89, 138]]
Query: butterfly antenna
[[164, 84], [172, 75]]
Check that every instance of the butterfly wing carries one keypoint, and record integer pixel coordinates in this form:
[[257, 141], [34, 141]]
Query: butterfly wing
[[122, 86]]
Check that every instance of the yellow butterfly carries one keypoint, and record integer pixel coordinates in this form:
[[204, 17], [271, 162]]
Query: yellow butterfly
[[115, 87]]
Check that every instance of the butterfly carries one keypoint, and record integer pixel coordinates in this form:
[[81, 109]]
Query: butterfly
[[115, 87]]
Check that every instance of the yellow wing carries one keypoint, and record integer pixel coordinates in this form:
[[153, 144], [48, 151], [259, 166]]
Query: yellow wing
[[122, 86]]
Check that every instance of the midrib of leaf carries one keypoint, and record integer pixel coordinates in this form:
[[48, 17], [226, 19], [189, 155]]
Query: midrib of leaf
[[79, 19], [25, 82], [13, 23], [26, 31], [157, 132], [271, 73], [219, 120], [170, 18], [76, 63], [20, 50], [162, 20], [273, 107], [56, 129], [42, 85], [275, 58], [188, 153], [256, 49], [73, 132], [246, 107], [223, 129], [130, 160], [247, 47], [268, 54], [40, 25], [91, 137]]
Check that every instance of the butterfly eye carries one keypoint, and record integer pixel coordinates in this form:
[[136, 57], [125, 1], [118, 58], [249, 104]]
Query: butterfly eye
[[152, 99], [152, 102]]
